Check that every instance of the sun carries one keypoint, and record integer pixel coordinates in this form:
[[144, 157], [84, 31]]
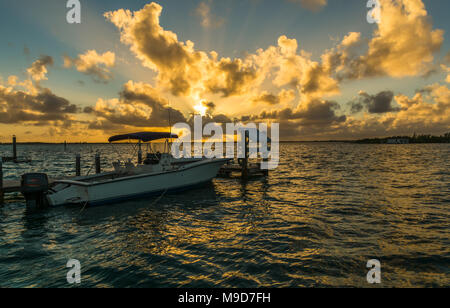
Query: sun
[[201, 109]]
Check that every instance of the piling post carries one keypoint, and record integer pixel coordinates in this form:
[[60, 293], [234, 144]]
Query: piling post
[[65, 146], [1, 182], [98, 168], [14, 148], [266, 160], [78, 165], [246, 155]]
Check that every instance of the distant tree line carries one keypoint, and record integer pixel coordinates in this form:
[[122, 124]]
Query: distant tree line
[[414, 139]]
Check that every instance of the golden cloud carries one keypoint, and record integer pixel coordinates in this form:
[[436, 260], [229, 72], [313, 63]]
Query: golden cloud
[[92, 63], [38, 70], [402, 45], [139, 105]]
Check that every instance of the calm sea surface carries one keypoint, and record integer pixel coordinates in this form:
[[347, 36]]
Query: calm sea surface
[[315, 222]]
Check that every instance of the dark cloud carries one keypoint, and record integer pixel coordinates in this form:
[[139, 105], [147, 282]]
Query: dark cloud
[[269, 98], [210, 107], [376, 104], [237, 78], [88, 109], [19, 107], [356, 107], [316, 112]]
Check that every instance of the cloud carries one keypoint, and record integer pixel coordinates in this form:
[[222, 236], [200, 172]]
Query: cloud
[[314, 113], [210, 107], [230, 77], [138, 105], [38, 70], [426, 112], [93, 64], [181, 69], [157, 48], [208, 20], [312, 5], [285, 96], [13, 80], [446, 69], [378, 103], [43, 108], [402, 45], [34, 105], [295, 69]]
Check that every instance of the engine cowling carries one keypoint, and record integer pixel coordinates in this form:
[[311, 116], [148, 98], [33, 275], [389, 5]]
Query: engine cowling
[[34, 187]]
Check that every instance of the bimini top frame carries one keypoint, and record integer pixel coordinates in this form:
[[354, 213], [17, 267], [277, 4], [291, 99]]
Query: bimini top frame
[[144, 136]]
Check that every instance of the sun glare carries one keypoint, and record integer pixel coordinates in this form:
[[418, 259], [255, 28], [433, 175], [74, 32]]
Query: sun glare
[[201, 109]]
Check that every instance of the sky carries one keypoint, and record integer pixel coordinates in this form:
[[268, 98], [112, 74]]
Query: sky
[[316, 67]]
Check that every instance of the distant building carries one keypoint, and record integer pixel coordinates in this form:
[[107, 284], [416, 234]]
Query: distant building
[[398, 141]]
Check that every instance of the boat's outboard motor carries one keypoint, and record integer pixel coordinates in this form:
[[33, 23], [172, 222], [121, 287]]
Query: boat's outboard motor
[[34, 188]]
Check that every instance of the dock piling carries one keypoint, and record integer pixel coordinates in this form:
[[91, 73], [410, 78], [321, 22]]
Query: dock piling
[[14, 148], [78, 165], [1, 182], [98, 168], [246, 155], [266, 160]]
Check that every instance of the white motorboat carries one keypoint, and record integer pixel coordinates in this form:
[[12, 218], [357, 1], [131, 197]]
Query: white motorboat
[[158, 174]]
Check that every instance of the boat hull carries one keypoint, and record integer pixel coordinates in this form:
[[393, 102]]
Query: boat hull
[[128, 188]]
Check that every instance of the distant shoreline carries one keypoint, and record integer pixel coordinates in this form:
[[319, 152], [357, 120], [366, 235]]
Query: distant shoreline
[[369, 141], [415, 139]]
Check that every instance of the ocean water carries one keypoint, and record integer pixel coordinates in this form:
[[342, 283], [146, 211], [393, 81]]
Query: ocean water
[[314, 222]]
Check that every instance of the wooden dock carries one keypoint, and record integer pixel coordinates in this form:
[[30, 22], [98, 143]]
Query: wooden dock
[[237, 170], [11, 186], [244, 167], [15, 159], [8, 186]]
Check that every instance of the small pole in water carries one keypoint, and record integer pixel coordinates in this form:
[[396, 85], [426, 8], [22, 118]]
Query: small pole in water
[[97, 163], [266, 160], [1, 181], [65, 145], [78, 165], [246, 153], [14, 148]]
